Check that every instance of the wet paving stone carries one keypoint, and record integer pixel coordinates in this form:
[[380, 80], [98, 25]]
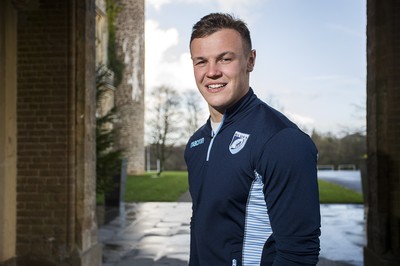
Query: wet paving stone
[[148, 234], [158, 234]]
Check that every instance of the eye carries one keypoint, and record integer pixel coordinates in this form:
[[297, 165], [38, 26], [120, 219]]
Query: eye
[[225, 60], [199, 62]]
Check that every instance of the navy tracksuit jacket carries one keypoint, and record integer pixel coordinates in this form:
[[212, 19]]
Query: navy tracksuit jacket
[[254, 190]]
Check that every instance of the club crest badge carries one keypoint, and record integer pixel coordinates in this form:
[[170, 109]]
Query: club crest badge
[[238, 141]]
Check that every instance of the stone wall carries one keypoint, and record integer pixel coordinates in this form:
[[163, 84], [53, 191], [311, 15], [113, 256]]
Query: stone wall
[[130, 93], [101, 33], [47, 129], [383, 131], [8, 138]]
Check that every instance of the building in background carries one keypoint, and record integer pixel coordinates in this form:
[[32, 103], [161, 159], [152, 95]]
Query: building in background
[[120, 47], [129, 96]]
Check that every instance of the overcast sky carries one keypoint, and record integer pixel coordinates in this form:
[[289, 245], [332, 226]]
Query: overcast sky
[[311, 54]]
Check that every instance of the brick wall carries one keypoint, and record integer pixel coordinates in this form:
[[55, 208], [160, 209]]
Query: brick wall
[[130, 93], [42, 111], [56, 133]]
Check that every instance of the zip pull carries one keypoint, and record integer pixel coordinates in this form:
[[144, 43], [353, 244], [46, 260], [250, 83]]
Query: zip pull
[[234, 262]]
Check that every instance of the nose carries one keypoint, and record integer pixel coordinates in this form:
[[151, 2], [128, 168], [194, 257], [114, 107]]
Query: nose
[[213, 70]]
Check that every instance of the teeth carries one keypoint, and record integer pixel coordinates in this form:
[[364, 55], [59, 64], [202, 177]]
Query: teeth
[[215, 86]]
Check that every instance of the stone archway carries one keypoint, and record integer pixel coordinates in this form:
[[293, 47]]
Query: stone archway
[[47, 133]]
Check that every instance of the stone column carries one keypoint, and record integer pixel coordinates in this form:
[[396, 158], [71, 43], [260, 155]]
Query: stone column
[[8, 135], [383, 131], [86, 251], [130, 93]]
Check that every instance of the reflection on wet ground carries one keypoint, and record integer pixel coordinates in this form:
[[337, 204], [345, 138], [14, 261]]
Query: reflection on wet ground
[[157, 234], [343, 233], [147, 234]]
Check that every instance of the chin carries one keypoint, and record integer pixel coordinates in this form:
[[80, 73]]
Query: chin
[[217, 101], [220, 106]]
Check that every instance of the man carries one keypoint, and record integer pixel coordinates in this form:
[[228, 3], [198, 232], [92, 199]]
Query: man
[[252, 172]]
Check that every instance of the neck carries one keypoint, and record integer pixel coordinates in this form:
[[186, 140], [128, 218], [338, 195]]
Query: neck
[[215, 115]]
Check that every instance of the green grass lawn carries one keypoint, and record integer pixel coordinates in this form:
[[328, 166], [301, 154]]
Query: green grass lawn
[[171, 185], [333, 193], [148, 187]]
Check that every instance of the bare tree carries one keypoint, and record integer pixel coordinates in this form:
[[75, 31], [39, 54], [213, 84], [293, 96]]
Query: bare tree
[[164, 122], [193, 111]]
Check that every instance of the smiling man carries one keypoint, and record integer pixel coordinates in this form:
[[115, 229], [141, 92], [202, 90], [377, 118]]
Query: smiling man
[[252, 172], [222, 73]]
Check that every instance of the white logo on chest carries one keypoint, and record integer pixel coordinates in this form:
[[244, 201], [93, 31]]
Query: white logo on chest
[[238, 141]]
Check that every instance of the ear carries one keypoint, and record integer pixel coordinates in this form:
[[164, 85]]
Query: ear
[[251, 61]]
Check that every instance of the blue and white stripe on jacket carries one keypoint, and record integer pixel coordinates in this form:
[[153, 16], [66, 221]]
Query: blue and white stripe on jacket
[[257, 225]]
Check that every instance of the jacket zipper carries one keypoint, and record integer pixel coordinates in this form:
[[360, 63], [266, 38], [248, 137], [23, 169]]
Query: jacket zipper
[[213, 137]]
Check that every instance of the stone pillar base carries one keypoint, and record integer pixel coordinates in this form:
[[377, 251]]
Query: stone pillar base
[[92, 257], [373, 259], [10, 262]]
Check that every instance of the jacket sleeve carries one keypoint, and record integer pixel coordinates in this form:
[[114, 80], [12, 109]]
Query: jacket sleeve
[[289, 168]]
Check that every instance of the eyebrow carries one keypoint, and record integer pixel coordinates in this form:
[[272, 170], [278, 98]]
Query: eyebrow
[[218, 56]]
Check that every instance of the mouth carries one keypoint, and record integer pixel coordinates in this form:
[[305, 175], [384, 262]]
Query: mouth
[[216, 87]]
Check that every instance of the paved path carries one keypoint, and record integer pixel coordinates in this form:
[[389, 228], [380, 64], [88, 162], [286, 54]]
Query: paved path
[[155, 234]]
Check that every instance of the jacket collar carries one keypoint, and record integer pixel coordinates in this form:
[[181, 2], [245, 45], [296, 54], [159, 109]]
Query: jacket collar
[[236, 111], [241, 106]]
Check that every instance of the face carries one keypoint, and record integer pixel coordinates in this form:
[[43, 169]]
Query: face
[[221, 69]]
